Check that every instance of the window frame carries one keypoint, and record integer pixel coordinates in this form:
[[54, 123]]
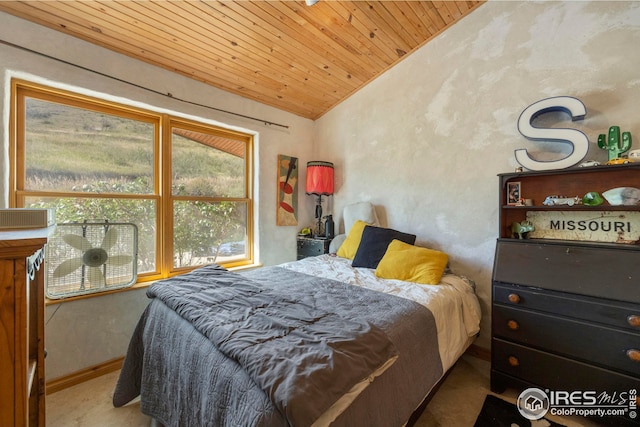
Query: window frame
[[168, 125], [162, 169]]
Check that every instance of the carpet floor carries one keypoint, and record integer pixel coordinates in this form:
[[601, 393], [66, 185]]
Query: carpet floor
[[456, 404]]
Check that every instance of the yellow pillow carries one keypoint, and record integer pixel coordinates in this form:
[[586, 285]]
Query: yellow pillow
[[412, 264], [350, 245]]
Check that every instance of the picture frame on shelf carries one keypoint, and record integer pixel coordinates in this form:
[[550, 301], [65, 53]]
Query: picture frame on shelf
[[514, 193]]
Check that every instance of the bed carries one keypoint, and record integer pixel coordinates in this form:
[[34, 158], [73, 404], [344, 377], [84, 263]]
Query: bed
[[333, 344]]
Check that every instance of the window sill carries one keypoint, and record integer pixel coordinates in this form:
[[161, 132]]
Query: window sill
[[134, 287], [245, 267]]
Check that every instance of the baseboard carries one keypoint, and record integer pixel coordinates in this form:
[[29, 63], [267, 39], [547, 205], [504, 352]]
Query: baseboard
[[479, 352], [87, 374]]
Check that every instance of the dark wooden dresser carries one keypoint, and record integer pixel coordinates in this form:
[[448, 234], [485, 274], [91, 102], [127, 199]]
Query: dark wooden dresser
[[566, 313]]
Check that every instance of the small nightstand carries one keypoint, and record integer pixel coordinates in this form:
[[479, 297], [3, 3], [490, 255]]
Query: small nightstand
[[312, 247]]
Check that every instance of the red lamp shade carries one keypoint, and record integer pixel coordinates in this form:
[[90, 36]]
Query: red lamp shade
[[320, 178]]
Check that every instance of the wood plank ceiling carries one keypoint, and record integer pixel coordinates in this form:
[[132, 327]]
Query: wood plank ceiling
[[300, 59]]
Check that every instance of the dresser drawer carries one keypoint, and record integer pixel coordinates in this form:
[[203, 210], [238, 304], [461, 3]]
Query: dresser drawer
[[612, 313], [554, 372], [601, 345], [604, 271]]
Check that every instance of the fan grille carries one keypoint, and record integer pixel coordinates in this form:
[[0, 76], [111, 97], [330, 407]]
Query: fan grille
[[85, 258]]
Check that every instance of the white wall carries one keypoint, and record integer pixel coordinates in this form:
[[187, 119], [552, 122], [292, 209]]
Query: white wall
[[85, 333], [425, 141]]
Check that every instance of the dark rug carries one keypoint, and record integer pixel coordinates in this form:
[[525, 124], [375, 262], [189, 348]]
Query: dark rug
[[499, 413]]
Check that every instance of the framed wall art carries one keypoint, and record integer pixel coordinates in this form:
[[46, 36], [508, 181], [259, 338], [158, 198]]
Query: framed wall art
[[287, 206]]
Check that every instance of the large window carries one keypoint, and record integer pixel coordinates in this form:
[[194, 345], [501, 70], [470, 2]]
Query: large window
[[185, 185]]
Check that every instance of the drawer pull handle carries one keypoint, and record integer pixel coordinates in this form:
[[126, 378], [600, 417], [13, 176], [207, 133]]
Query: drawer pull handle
[[514, 298], [634, 320], [513, 325], [513, 361], [634, 355]]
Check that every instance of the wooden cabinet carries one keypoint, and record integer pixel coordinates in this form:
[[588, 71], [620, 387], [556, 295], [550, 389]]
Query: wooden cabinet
[[566, 313], [312, 247], [22, 375]]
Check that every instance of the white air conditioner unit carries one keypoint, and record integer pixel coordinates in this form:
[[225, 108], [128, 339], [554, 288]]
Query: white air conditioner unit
[[23, 218]]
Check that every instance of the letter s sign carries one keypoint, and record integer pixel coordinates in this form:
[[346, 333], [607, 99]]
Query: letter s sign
[[576, 109]]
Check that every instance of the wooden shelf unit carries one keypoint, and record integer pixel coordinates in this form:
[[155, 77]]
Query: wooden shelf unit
[[22, 382], [568, 182]]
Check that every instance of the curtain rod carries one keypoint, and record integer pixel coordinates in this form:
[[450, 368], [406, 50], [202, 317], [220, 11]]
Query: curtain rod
[[168, 95]]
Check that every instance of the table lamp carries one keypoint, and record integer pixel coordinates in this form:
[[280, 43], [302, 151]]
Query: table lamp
[[319, 183]]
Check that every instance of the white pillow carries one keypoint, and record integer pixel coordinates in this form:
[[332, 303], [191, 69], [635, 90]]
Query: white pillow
[[363, 211], [336, 243]]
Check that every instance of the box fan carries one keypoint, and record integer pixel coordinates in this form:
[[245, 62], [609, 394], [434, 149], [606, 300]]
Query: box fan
[[89, 257]]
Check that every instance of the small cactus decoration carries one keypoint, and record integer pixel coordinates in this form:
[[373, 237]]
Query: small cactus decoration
[[612, 143]]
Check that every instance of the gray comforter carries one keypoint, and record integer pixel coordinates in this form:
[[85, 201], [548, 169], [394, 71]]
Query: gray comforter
[[216, 348]]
